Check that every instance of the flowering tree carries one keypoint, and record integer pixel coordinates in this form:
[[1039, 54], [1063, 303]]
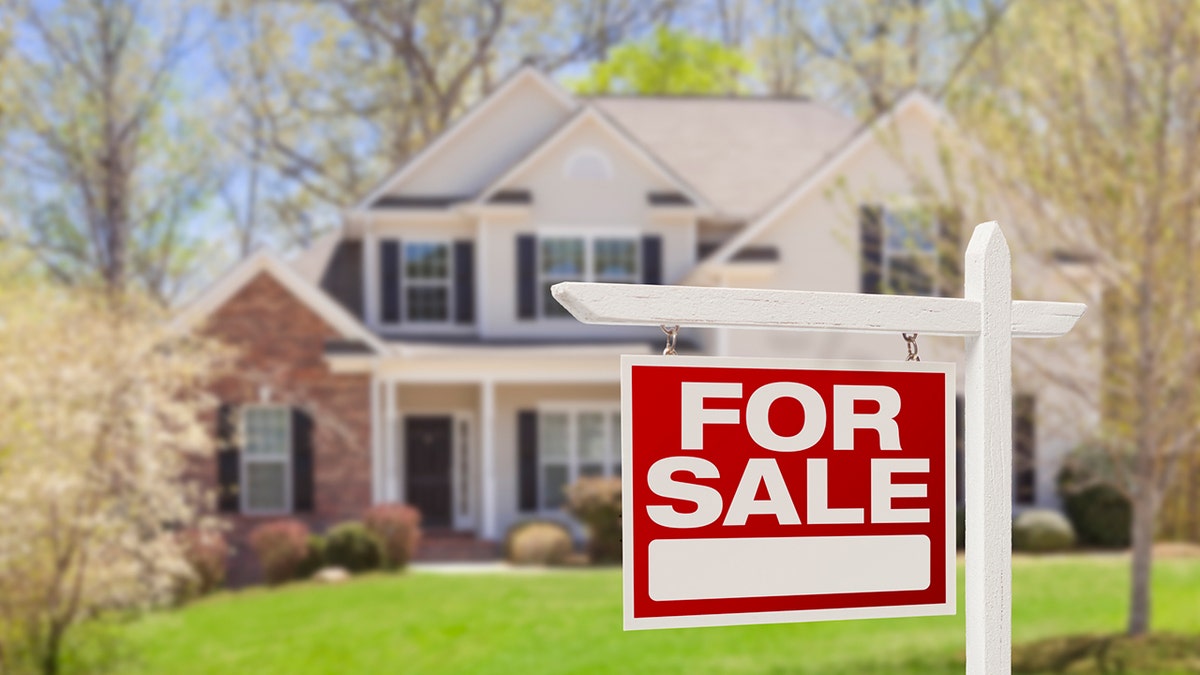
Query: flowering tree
[[101, 417]]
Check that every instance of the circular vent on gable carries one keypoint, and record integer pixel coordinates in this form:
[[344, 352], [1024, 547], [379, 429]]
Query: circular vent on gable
[[588, 164]]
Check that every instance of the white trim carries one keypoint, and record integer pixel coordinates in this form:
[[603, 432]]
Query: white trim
[[228, 285], [823, 173], [465, 122], [245, 458], [590, 114]]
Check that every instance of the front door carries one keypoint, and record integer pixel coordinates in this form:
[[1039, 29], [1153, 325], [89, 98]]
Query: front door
[[427, 468]]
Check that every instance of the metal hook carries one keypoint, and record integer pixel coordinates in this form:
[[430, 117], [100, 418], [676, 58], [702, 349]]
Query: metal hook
[[910, 341], [671, 333]]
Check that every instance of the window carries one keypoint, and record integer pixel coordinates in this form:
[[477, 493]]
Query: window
[[426, 282], [574, 444], [266, 459], [603, 258], [910, 253]]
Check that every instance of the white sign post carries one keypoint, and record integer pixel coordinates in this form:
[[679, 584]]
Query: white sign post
[[986, 317]]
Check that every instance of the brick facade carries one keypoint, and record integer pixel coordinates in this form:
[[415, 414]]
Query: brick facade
[[280, 344]]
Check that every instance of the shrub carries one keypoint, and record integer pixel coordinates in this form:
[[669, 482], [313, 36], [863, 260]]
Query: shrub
[[538, 542], [398, 527], [597, 503], [281, 547], [1042, 531], [1101, 514], [315, 559], [207, 554], [352, 546]]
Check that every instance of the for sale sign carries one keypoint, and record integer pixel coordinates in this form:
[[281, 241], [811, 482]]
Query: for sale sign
[[773, 490]]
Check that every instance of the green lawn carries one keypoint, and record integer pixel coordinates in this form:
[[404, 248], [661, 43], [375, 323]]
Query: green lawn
[[570, 622]]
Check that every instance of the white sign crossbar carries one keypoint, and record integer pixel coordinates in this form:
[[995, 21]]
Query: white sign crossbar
[[639, 304]]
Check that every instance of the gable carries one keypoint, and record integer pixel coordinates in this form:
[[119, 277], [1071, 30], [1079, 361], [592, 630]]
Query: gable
[[485, 142], [250, 273], [866, 166], [588, 168]]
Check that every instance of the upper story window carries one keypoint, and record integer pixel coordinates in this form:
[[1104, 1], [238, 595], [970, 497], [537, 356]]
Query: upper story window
[[266, 459], [427, 280], [909, 250], [425, 283], [581, 258]]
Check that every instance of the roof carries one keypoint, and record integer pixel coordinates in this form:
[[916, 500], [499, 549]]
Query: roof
[[741, 154], [227, 285]]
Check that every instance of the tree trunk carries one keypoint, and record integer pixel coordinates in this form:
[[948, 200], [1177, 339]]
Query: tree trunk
[[1143, 552]]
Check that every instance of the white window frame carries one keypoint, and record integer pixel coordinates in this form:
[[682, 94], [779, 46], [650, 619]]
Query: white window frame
[[589, 238], [245, 459], [407, 283], [928, 259], [573, 410]]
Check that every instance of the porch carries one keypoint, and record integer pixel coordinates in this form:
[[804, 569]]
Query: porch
[[456, 433]]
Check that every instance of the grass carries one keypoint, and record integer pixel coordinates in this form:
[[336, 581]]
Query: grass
[[569, 622]]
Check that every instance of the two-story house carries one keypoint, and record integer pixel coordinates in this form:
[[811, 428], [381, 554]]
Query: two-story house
[[418, 356]]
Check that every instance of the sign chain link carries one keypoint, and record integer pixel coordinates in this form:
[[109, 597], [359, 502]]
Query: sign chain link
[[910, 341], [672, 333]]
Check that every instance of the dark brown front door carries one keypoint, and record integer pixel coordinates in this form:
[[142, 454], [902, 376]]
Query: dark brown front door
[[427, 468]]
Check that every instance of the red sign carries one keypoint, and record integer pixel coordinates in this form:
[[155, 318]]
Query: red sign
[[778, 490]]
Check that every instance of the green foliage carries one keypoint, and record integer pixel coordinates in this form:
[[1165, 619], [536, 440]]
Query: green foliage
[[315, 558], [1042, 531], [352, 546], [1101, 514], [398, 526], [1088, 654], [597, 503], [669, 62], [281, 547], [207, 556], [538, 542]]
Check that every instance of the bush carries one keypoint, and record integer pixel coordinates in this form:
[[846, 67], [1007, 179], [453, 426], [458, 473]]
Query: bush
[[538, 542], [597, 503], [1101, 514], [398, 526], [1042, 531], [315, 559], [352, 546], [281, 547], [207, 554]]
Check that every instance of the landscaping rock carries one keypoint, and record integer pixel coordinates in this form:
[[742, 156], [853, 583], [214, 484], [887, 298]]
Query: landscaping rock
[[331, 575]]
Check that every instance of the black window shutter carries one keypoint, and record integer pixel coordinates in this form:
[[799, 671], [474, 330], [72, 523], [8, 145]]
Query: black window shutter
[[389, 280], [870, 228], [228, 459], [302, 461], [464, 281], [652, 259], [950, 277], [527, 460], [527, 291]]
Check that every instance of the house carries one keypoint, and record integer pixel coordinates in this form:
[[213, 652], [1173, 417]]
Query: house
[[417, 355]]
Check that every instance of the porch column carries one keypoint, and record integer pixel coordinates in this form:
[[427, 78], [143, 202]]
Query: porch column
[[391, 487], [487, 432]]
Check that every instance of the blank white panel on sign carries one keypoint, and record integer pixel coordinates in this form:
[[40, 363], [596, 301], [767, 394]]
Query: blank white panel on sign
[[698, 569]]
